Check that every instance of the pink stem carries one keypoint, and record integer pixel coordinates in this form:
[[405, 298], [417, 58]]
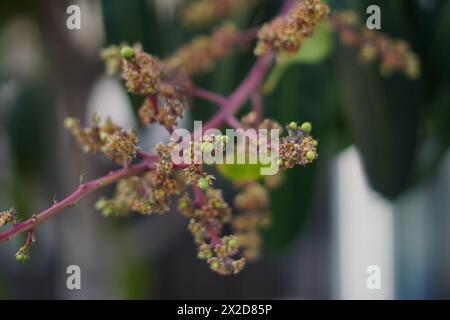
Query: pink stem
[[30, 238], [208, 96], [215, 240], [247, 36], [72, 199], [234, 123], [241, 94]]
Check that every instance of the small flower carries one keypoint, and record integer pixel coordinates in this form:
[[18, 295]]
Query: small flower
[[22, 255], [203, 184], [310, 155], [293, 125], [305, 127], [7, 217], [127, 52]]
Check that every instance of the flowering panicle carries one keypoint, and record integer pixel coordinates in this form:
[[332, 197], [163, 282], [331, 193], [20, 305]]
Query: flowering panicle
[[200, 55], [394, 55], [286, 34], [254, 204], [298, 148], [150, 193], [207, 220], [107, 138], [164, 93], [204, 12], [141, 73], [23, 254]]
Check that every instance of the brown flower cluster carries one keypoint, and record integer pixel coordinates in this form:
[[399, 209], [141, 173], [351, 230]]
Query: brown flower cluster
[[164, 109], [164, 92], [200, 55], [141, 73], [150, 193], [107, 138], [254, 204], [207, 219], [393, 55], [298, 148], [204, 12], [285, 34], [165, 83]]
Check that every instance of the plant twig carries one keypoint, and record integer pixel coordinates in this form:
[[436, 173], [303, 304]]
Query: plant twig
[[242, 93], [82, 191], [208, 96]]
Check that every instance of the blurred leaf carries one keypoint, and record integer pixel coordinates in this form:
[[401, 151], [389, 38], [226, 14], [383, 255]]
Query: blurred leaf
[[135, 278], [28, 130], [303, 95], [383, 121], [240, 172]]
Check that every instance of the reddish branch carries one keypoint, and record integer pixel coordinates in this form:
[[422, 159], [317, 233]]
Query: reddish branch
[[236, 100], [71, 200]]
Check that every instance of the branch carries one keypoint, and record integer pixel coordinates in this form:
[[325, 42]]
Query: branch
[[234, 123], [243, 92], [82, 191], [208, 96]]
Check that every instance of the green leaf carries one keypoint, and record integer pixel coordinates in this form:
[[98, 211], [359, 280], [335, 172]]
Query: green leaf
[[313, 50], [240, 172]]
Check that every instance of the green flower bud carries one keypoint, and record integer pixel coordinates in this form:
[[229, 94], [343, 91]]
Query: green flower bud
[[306, 127], [224, 139], [127, 52], [69, 123], [232, 243], [315, 143], [310, 155], [293, 125], [183, 205], [22, 255], [203, 184], [101, 204], [215, 265]]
